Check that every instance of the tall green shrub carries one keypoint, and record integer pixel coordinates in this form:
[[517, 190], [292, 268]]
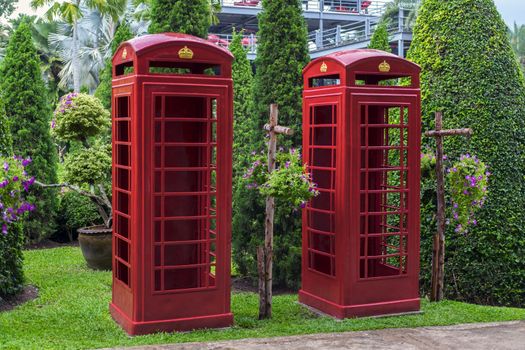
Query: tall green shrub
[[103, 92], [189, 17], [27, 108], [379, 40], [471, 74], [281, 55], [245, 125]]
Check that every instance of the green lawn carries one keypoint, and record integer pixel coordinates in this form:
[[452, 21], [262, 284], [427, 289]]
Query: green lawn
[[72, 312]]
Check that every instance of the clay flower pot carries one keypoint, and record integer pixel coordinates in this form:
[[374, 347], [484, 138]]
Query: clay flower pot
[[95, 243]]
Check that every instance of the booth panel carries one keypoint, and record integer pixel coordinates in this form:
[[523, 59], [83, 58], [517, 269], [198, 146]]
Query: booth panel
[[185, 190], [122, 172], [320, 130], [385, 263]]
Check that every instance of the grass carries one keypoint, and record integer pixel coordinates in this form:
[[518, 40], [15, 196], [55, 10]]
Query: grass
[[72, 312]]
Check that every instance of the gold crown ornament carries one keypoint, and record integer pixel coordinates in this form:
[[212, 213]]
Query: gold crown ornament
[[124, 54], [324, 68], [185, 53], [384, 67]]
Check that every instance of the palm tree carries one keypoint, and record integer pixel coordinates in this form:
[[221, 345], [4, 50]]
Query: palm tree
[[70, 12], [409, 7]]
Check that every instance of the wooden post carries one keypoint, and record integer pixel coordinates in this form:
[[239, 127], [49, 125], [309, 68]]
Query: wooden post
[[265, 252], [438, 248]]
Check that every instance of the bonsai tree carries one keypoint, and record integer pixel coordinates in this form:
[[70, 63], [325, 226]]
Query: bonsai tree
[[81, 121]]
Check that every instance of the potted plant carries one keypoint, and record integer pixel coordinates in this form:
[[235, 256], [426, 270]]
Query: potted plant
[[81, 122]]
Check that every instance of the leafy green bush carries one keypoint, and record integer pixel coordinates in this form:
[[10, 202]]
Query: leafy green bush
[[75, 211], [379, 40], [471, 74], [88, 165], [78, 117]]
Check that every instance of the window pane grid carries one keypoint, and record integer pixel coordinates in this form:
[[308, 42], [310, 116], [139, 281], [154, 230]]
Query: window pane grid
[[383, 189], [185, 193], [321, 210]]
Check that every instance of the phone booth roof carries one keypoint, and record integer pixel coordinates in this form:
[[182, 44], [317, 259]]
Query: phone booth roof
[[362, 64], [171, 48]]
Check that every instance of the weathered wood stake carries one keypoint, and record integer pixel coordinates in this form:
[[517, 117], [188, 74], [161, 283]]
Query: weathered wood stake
[[438, 248], [265, 252]]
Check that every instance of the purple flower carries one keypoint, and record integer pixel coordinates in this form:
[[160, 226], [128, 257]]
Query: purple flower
[[53, 124], [303, 204], [15, 178], [287, 164], [6, 166], [26, 162], [445, 157], [474, 222], [4, 229]]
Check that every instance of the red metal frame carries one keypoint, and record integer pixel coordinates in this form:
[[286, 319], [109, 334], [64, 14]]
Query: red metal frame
[[361, 140], [172, 145]]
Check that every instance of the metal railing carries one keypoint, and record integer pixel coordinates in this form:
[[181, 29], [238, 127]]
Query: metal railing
[[352, 33], [364, 7], [337, 36]]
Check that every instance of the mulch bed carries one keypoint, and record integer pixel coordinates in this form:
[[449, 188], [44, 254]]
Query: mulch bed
[[48, 244], [240, 284], [29, 293]]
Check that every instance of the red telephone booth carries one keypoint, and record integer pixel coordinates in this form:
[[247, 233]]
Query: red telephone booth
[[172, 171], [361, 139]]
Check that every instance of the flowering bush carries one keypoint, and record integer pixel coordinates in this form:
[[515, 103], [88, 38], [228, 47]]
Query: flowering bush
[[468, 181], [78, 117], [14, 184], [290, 181]]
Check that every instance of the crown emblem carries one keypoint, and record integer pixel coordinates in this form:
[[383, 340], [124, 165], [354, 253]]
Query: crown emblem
[[384, 67], [185, 53], [124, 54], [324, 68]]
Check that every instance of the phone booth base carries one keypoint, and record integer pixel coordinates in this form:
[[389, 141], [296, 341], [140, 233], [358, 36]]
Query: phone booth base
[[361, 142], [350, 311], [172, 174], [178, 325]]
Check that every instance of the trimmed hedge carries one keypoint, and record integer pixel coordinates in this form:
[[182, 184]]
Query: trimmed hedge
[[470, 72], [189, 17], [76, 211]]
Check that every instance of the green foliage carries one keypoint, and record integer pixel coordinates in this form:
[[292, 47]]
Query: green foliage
[[471, 74], [189, 17], [71, 295], [24, 95], [290, 182], [76, 211], [379, 40], [247, 136], [11, 261], [79, 117], [103, 92], [282, 54], [6, 141], [90, 165]]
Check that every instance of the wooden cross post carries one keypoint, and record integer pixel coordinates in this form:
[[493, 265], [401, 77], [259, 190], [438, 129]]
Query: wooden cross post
[[265, 252], [438, 249]]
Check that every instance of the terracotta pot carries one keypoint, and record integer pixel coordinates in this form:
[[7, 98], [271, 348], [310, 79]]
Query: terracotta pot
[[95, 243]]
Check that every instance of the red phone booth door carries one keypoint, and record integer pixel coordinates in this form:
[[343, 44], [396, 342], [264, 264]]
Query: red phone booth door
[[184, 160], [322, 128], [388, 216]]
